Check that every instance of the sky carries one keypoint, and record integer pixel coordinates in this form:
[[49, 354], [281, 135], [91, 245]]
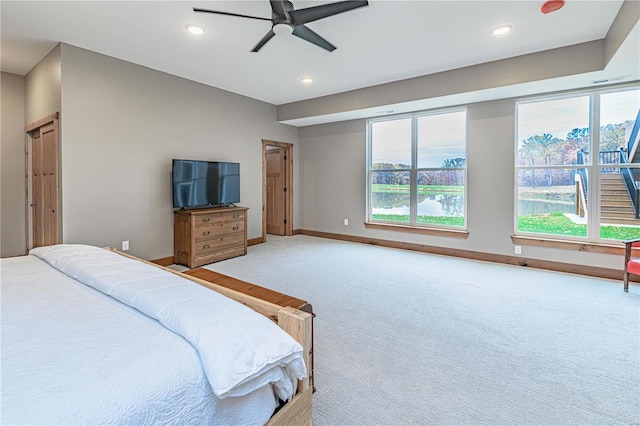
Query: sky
[[442, 136], [558, 117]]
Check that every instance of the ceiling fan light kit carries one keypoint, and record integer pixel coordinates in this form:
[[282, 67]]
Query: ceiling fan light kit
[[282, 29], [285, 20]]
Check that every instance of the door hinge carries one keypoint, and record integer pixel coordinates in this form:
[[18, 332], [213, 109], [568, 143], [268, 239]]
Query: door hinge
[[285, 189], [285, 157], [285, 221]]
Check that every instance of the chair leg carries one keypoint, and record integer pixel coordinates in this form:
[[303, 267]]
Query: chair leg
[[626, 281]]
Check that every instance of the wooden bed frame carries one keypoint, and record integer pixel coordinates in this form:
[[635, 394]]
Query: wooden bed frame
[[295, 322]]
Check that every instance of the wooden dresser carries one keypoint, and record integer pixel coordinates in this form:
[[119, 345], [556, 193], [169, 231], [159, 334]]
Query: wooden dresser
[[209, 235]]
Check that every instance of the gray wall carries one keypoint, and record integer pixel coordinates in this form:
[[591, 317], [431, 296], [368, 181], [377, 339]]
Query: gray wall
[[123, 123], [42, 88], [12, 203], [333, 181]]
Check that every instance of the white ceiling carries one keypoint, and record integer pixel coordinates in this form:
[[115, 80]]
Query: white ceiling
[[384, 42]]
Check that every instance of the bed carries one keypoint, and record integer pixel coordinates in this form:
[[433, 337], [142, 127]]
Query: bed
[[93, 336]]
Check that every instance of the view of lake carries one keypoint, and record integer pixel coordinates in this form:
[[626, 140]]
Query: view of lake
[[431, 205], [453, 205], [527, 207]]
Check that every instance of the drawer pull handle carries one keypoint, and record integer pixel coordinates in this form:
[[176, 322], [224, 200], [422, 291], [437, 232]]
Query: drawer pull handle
[[206, 219], [205, 233], [235, 228], [206, 246], [236, 216]]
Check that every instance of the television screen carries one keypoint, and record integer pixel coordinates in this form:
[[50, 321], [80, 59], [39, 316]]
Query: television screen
[[205, 183]]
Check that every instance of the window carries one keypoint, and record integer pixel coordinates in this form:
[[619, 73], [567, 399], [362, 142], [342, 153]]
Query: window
[[417, 169], [577, 170]]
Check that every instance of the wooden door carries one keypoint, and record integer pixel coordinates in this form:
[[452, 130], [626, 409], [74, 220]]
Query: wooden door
[[44, 183], [37, 188], [276, 190]]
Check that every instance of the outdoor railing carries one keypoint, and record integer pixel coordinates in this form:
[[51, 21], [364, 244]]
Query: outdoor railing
[[630, 183], [582, 159], [634, 135], [610, 157], [614, 157]]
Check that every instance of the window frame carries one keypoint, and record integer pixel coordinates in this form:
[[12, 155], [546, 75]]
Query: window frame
[[593, 167], [414, 170]]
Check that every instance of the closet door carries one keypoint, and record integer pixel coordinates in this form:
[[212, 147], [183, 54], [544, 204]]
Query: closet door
[[44, 185], [276, 191], [49, 185], [37, 185]]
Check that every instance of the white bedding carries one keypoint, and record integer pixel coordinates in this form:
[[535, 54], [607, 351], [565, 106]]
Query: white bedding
[[72, 355]]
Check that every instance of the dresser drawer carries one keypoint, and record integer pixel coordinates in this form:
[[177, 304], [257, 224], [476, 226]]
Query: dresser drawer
[[220, 255], [217, 229], [209, 219], [219, 244]]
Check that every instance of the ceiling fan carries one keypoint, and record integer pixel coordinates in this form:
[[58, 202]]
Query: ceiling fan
[[286, 20]]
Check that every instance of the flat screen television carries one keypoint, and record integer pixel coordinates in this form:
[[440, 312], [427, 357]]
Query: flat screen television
[[204, 183]]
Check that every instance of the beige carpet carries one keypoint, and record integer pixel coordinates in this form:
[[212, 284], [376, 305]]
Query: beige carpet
[[411, 338]]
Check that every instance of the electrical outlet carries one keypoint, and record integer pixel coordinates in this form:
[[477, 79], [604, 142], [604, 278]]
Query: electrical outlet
[[518, 249], [125, 245], [346, 222]]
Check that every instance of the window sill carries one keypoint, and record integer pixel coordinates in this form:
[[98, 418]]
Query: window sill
[[453, 233], [612, 248]]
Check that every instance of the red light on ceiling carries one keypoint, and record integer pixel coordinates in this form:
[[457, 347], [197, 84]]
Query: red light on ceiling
[[551, 6]]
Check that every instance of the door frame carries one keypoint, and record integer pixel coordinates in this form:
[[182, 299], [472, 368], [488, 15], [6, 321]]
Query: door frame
[[288, 166], [52, 119]]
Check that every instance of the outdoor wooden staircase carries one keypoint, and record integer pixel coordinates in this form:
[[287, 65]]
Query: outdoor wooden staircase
[[615, 205]]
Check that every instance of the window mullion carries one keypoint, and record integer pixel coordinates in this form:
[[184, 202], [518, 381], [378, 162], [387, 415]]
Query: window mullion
[[593, 208], [369, 172], [413, 191]]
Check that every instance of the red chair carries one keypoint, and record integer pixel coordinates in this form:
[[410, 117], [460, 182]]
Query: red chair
[[631, 265]]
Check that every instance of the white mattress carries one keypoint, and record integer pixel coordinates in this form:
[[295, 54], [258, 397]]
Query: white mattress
[[72, 355]]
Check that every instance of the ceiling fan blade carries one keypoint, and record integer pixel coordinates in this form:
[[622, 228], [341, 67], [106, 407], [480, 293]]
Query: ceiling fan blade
[[264, 41], [278, 9], [195, 9], [310, 14], [307, 34]]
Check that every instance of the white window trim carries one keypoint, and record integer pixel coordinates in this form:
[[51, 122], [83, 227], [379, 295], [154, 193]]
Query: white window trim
[[413, 172]]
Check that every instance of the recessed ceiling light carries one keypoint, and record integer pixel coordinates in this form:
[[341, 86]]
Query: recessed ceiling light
[[501, 30], [306, 80], [194, 29]]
